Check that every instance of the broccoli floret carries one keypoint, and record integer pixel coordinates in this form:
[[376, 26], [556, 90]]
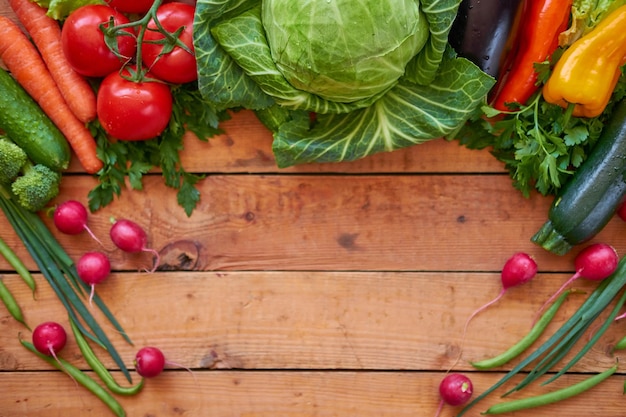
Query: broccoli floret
[[12, 160], [33, 185], [37, 185]]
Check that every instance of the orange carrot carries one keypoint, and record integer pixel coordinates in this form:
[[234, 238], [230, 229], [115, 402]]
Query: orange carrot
[[26, 65], [46, 34]]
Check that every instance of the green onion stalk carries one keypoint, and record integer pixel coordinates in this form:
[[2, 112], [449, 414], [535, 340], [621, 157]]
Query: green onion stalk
[[553, 350], [60, 272]]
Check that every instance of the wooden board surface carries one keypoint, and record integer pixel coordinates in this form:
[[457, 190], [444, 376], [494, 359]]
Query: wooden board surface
[[318, 290]]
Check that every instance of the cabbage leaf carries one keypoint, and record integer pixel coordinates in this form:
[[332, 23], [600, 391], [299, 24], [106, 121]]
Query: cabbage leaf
[[220, 79], [440, 15], [340, 50], [436, 95], [407, 115], [244, 40]]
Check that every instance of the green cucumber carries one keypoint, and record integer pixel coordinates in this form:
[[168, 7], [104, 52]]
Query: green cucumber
[[590, 198], [27, 125]]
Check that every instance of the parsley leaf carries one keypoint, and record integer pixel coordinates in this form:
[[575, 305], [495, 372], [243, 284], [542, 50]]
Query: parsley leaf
[[126, 162], [540, 144]]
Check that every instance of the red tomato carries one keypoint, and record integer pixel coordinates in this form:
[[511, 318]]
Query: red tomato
[[129, 110], [84, 45], [131, 6], [177, 66]]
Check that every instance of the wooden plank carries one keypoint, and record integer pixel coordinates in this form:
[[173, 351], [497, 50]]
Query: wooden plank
[[286, 394], [318, 290], [330, 222], [312, 320]]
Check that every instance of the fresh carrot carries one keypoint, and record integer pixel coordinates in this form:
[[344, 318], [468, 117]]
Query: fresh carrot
[[46, 34], [22, 59]]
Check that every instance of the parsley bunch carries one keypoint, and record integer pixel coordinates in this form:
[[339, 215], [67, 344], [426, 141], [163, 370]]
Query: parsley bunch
[[133, 159], [540, 144]]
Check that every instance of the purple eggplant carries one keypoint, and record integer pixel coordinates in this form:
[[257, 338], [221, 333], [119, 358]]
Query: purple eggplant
[[482, 30]]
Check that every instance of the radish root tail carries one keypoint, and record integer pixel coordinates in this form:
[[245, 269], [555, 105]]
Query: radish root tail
[[93, 236], [157, 259], [56, 358], [439, 408], [469, 319], [555, 295], [178, 365], [91, 294]]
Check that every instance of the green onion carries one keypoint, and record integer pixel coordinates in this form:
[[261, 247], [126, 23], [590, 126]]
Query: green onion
[[564, 339], [60, 272], [609, 320]]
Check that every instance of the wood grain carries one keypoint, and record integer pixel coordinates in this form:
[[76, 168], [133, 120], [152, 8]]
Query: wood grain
[[309, 320], [318, 290], [285, 394], [302, 222]]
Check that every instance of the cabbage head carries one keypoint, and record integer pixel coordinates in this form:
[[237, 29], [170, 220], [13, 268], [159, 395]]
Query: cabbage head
[[343, 50], [379, 75]]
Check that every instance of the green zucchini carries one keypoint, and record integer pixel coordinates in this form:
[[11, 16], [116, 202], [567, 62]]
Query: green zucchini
[[590, 198], [27, 125]]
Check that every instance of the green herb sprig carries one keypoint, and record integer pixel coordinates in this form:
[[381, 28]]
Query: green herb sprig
[[132, 160], [540, 144]]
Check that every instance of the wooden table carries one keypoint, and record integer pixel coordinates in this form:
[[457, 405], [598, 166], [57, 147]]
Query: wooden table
[[319, 290]]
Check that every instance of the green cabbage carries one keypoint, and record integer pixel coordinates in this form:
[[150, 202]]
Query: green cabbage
[[378, 74], [342, 52]]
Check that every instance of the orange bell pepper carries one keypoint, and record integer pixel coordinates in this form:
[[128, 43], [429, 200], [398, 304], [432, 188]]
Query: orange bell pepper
[[587, 72]]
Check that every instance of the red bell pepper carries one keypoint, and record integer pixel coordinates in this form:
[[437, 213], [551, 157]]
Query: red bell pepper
[[536, 40]]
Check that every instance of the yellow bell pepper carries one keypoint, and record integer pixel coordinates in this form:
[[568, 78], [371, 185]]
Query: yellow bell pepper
[[587, 72]]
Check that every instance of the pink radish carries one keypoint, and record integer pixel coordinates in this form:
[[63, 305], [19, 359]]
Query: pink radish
[[595, 262], [517, 270], [49, 338], [455, 389], [93, 268], [130, 237], [150, 362], [70, 217]]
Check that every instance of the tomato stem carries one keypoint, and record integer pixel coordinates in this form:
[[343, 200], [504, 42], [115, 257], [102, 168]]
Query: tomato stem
[[112, 31]]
